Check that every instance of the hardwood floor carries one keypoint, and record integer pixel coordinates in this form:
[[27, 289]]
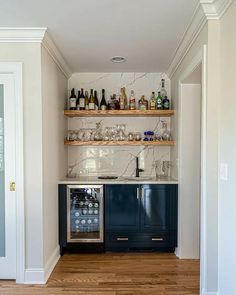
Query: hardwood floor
[[116, 274]]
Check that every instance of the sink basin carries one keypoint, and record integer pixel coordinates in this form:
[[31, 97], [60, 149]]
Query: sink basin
[[141, 178]]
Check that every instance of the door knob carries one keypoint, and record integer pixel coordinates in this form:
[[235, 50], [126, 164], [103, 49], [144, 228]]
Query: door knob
[[12, 186]]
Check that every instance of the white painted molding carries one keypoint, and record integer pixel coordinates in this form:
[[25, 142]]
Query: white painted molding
[[51, 263], [197, 23], [39, 276], [215, 9], [209, 293], [22, 34], [56, 55], [36, 35]]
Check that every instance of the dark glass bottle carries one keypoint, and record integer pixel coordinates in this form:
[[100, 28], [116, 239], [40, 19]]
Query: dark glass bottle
[[72, 100], [103, 104], [77, 102], [166, 103], [82, 100], [86, 99], [96, 100], [159, 101]]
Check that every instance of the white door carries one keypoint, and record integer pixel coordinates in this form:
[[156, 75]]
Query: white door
[[7, 178]]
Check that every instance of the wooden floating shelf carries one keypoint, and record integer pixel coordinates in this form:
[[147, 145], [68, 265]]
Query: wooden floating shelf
[[120, 113], [120, 143]]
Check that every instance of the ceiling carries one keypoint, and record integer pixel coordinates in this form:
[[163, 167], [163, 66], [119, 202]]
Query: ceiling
[[89, 32]]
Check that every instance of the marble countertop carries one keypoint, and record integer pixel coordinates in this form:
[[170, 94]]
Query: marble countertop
[[119, 180]]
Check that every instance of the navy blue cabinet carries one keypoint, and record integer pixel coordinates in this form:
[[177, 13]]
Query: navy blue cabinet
[[141, 217]]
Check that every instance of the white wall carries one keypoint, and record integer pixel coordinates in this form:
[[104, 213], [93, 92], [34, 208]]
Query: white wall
[[189, 172], [30, 55], [227, 154], [120, 161], [54, 92]]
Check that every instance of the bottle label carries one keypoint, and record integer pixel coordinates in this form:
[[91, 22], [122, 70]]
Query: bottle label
[[166, 105], [91, 106], [73, 102], [152, 105], [81, 102], [103, 107]]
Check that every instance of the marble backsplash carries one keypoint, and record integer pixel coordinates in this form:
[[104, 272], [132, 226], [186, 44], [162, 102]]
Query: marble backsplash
[[116, 160]]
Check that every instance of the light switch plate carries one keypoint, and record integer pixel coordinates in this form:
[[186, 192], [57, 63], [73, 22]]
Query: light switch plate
[[224, 171]]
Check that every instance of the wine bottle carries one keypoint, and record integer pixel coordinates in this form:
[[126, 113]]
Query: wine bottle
[[159, 101], [103, 104], [153, 102], [72, 100], [166, 103], [86, 101], [132, 103], [91, 101], [82, 100], [163, 90], [96, 100], [77, 102]]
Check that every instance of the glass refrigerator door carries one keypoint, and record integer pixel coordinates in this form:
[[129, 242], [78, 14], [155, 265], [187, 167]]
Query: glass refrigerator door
[[85, 213]]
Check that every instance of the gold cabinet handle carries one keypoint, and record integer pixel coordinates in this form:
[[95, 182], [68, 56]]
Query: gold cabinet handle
[[12, 186], [157, 239], [122, 239]]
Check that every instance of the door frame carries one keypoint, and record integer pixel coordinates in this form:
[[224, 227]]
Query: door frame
[[200, 58], [15, 69]]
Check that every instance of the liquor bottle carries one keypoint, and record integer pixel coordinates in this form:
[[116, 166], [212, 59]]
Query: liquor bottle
[[153, 102], [132, 103], [91, 101], [77, 102], [143, 103], [96, 100], [159, 101], [86, 101], [82, 100], [163, 90], [103, 104], [123, 99], [166, 103], [72, 100]]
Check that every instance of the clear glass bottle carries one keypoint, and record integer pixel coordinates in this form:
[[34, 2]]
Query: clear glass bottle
[[163, 91], [132, 103], [153, 102]]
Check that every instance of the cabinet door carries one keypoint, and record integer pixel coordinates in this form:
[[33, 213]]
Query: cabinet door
[[122, 207], [158, 207]]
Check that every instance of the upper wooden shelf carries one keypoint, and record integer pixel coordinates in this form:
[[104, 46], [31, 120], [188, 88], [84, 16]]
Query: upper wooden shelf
[[120, 113], [120, 143]]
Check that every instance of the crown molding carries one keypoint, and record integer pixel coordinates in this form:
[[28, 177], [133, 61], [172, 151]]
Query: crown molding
[[197, 23], [22, 34], [56, 55], [36, 35], [215, 9], [205, 11]]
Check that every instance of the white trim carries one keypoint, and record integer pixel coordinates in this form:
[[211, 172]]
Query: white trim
[[50, 46], [36, 35], [203, 292], [40, 276], [8, 34], [215, 9], [51, 263], [15, 68], [197, 23], [200, 58]]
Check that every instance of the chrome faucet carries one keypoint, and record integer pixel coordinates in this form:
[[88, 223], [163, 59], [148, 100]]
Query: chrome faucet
[[138, 170]]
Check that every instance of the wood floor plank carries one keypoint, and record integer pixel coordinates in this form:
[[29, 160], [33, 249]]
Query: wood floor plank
[[116, 274]]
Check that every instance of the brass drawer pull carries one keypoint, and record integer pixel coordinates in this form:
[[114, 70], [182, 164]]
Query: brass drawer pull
[[157, 239], [122, 239]]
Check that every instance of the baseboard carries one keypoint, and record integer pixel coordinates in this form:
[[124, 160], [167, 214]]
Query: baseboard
[[51, 263], [40, 275], [209, 293]]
